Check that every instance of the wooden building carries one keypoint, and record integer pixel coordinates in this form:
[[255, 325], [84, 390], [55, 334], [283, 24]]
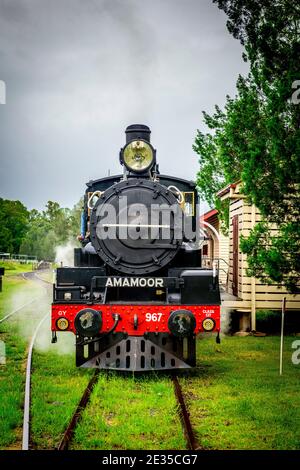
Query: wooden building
[[242, 293]]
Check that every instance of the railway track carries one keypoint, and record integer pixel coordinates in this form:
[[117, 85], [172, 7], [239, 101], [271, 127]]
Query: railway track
[[190, 437], [30, 276], [69, 432], [13, 312], [27, 398], [33, 276], [191, 440]]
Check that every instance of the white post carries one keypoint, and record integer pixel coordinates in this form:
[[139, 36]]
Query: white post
[[281, 339]]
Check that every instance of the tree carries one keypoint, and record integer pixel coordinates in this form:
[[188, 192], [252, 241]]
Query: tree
[[257, 138], [13, 222], [50, 228]]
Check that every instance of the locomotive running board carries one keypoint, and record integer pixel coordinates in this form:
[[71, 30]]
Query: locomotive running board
[[136, 354]]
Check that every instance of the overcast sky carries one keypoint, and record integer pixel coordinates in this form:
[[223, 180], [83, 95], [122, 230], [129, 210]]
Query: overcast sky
[[77, 72]]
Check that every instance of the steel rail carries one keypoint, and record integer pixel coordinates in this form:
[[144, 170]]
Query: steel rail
[[69, 433], [26, 416], [184, 415], [20, 308], [33, 273]]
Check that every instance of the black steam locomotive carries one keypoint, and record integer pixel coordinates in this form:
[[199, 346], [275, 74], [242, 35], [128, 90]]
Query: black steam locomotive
[[137, 296]]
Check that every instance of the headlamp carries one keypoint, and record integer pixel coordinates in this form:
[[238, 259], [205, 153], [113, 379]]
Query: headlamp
[[208, 324], [62, 324], [138, 156]]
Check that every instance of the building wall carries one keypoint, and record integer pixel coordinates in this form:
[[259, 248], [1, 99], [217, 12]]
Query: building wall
[[223, 258], [254, 294]]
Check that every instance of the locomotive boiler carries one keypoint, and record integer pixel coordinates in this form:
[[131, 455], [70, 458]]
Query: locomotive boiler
[[137, 296]]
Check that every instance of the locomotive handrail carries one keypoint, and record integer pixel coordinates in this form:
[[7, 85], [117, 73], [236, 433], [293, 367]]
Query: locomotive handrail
[[95, 193], [180, 197]]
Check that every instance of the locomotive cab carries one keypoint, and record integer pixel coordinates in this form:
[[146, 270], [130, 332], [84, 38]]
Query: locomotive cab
[[137, 296]]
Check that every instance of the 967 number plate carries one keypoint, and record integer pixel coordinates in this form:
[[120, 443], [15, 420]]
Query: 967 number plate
[[153, 316]]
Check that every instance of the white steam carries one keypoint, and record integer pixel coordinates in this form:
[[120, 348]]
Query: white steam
[[64, 254], [26, 320]]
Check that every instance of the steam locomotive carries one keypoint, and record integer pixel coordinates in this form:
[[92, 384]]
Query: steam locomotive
[[137, 296]]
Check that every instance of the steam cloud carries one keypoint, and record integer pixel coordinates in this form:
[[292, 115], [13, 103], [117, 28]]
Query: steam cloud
[[64, 254], [27, 319]]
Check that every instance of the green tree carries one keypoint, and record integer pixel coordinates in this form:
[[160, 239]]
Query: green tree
[[50, 228], [13, 222], [257, 138], [74, 219]]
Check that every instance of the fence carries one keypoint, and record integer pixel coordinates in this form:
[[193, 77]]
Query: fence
[[24, 259]]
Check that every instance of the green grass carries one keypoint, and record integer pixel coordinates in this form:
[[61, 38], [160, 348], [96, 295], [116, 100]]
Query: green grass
[[128, 413], [11, 387], [13, 267], [15, 293], [57, 388], [14, 333], [238, 400]]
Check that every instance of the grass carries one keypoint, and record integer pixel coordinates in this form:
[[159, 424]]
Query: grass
[[15, 293], [12, 373], [238, 400], [11, 386], [130, 413], [13, 267], [123, 412], [58, 386]]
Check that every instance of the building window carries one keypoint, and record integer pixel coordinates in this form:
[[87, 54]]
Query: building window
[[205, 250]]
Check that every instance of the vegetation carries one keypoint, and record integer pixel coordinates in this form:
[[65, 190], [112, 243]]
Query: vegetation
[[131, 413], [256, 138], [13, 221], [12, 374], [237, 400], [49, 229], [37, 233], [57, 388], [236, 397], [14, 267]]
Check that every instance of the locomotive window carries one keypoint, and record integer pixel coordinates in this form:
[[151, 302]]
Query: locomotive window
[[188, 205]]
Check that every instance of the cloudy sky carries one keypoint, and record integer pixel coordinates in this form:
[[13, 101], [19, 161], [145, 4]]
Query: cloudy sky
[[77, 72]]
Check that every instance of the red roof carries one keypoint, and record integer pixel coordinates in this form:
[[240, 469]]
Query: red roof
[[226, 189], [208, 214]]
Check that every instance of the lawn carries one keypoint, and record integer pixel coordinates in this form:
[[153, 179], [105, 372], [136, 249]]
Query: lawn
[[57, 386], [13, 267], [131, 413], [238, 400], [14, 334]]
